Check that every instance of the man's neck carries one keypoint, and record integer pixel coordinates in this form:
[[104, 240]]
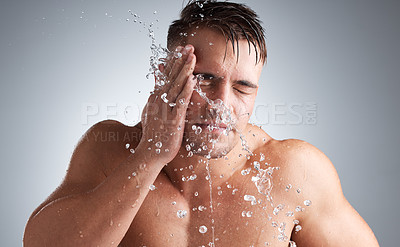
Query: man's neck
[[189, 174]]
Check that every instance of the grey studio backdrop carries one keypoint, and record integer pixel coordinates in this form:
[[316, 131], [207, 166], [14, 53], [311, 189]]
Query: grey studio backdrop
[[332, 79]]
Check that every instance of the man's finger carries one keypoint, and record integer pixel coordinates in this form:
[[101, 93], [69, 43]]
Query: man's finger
[[180, 63], [182, 78], [171, 59], [183, 99]]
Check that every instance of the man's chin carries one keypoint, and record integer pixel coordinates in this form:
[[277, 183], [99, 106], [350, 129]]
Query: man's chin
[[216, 153], [212, 145]]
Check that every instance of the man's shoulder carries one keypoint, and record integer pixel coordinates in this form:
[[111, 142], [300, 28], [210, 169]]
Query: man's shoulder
[[303, 164], [108, 136], [105, 143], [299, 160], [292, 150], [287, 150], [109, 131]]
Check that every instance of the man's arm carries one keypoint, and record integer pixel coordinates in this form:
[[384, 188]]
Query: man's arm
[[330, 220], [80, 211]]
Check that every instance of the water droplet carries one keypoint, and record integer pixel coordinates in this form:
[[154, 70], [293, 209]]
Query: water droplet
[[181, 213], [182, 101], [298, 191], [202, 208], [244, 214], [158, 151], [289, 214], [196, 193], [133, 174], [298, 228], [132, 150], [288, 187], [164, 97], [202, 229], [249, 198], [152, 187], [256, 165], [127, 145], [249, 214], [307, 202], [262, 157], [277, 209], [245, 171], [188, 147], [159, 144], [198, 130], [173, 203], [298, 208]]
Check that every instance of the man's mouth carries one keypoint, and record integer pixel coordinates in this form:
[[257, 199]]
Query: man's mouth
[[213, 127]]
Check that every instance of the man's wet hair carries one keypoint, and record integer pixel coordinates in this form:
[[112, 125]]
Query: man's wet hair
[[235, 21]]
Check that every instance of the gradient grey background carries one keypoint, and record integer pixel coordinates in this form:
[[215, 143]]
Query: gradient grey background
[[57, 56]]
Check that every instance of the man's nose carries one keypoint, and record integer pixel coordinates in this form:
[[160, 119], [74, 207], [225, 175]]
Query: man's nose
[[221, 94]]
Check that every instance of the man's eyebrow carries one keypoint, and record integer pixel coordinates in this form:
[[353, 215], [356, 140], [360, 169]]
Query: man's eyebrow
[[246, 83]]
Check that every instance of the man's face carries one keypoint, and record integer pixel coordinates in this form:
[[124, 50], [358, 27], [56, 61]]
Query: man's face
[[229, 79]]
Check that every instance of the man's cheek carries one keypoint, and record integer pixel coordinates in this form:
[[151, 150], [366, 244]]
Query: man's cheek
[[242, 113], [193, 113]]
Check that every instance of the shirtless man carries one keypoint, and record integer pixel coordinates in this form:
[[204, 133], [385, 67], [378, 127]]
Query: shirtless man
[[162, 183]]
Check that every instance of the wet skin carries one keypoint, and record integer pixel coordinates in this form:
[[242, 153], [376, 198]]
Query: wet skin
[[100, 202]]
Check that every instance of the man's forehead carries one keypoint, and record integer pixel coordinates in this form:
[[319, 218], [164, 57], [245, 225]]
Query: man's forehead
[[213, 40]]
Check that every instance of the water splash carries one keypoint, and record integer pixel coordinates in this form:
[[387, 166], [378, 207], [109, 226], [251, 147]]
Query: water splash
[[181, 214], [223, 115]]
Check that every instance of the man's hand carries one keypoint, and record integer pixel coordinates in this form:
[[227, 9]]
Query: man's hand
[[163, 117]]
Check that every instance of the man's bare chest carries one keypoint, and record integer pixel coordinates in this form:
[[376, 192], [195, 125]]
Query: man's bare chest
[[228, 216]]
